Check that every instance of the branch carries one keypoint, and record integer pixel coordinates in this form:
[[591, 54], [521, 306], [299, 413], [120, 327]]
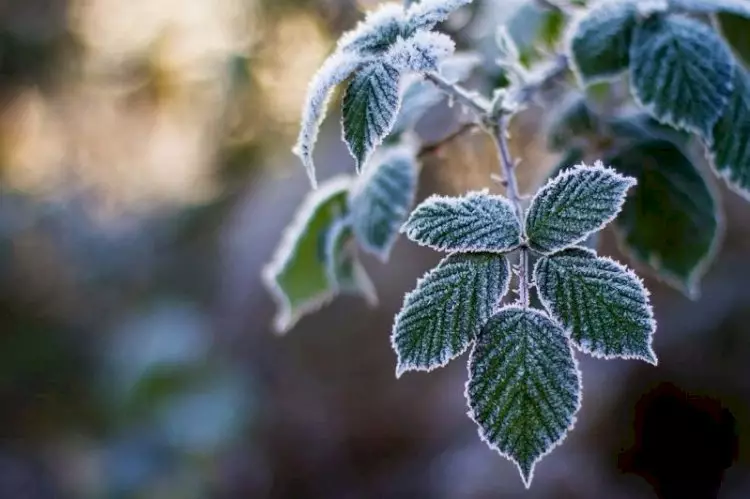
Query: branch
[[472, 100]]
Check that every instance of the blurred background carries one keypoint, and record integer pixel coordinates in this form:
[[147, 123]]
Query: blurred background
[[145, 179]]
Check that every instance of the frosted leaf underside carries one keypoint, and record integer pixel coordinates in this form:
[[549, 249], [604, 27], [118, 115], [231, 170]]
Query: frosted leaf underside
[[376, 33], [477, 221], [370, 107], [345, 272], [730, 143], [298, 275], [524, 386], [600, 42], [671, 220], [571, 206], [603, 305], [739, 7], [444, 313], [381, 198], [682, 72], [420, 53], [334, 70]]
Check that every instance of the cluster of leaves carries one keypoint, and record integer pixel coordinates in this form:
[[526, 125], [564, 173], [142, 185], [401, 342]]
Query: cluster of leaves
[[690, 87], [524, 386]]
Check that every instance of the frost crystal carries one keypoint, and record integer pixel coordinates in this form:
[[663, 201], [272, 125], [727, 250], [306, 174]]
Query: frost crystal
[[420, 53], [524, 386], [381, 197], [446, 310], [475, 222], [579, 201], [335, 69], [603, 304], [376, 32]]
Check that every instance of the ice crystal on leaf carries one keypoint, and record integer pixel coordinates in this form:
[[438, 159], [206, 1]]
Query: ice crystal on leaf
[[524, 386], [477, 221], [602, 304], [444, 313], [427, 13]]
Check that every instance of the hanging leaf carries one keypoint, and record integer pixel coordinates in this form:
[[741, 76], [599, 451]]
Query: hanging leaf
[[729, 147], [376, 33], [444, 313], [370, 106], [682, 72], [671, 221], [427, 13], [420, 53], [477, 221], [335, 69], [736, 30], [524, 386], [297, 275], [603, 304], [345, 272], [381, 198], [600, 41], [571, 206]]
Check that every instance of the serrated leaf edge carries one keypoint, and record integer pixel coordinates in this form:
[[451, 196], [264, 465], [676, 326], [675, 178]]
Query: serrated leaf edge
[[453, 200], [573, 419], [402, 367], [573, 170], [629, 272], [285, 317]]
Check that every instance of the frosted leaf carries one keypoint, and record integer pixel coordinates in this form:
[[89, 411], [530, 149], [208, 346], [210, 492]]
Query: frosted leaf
[[600, 40], [297, 275], [601, 303], [739, 7], [335, 69], [427, 13], [444, 313], [682, 72], [579, 201], [381, 198], [420, 53], [345, 272], [377, 32], [524, 386], [671, 221], [370, 106], [729, 146], [477, 221], [420, 96]]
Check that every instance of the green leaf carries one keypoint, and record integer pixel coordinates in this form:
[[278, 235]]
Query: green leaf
[[603, 304], [671, 221], [370, 107], [345, 272], [444, 313], [477, 221], [642, 126], [600, 41], [736, 30], [574, 204], [729, 147], [381, 198], [524, 386], [297, 275], [573, 119], [682, 72]]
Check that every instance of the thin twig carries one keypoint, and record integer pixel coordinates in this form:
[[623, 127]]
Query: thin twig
[[472, 100], [433, 147]]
